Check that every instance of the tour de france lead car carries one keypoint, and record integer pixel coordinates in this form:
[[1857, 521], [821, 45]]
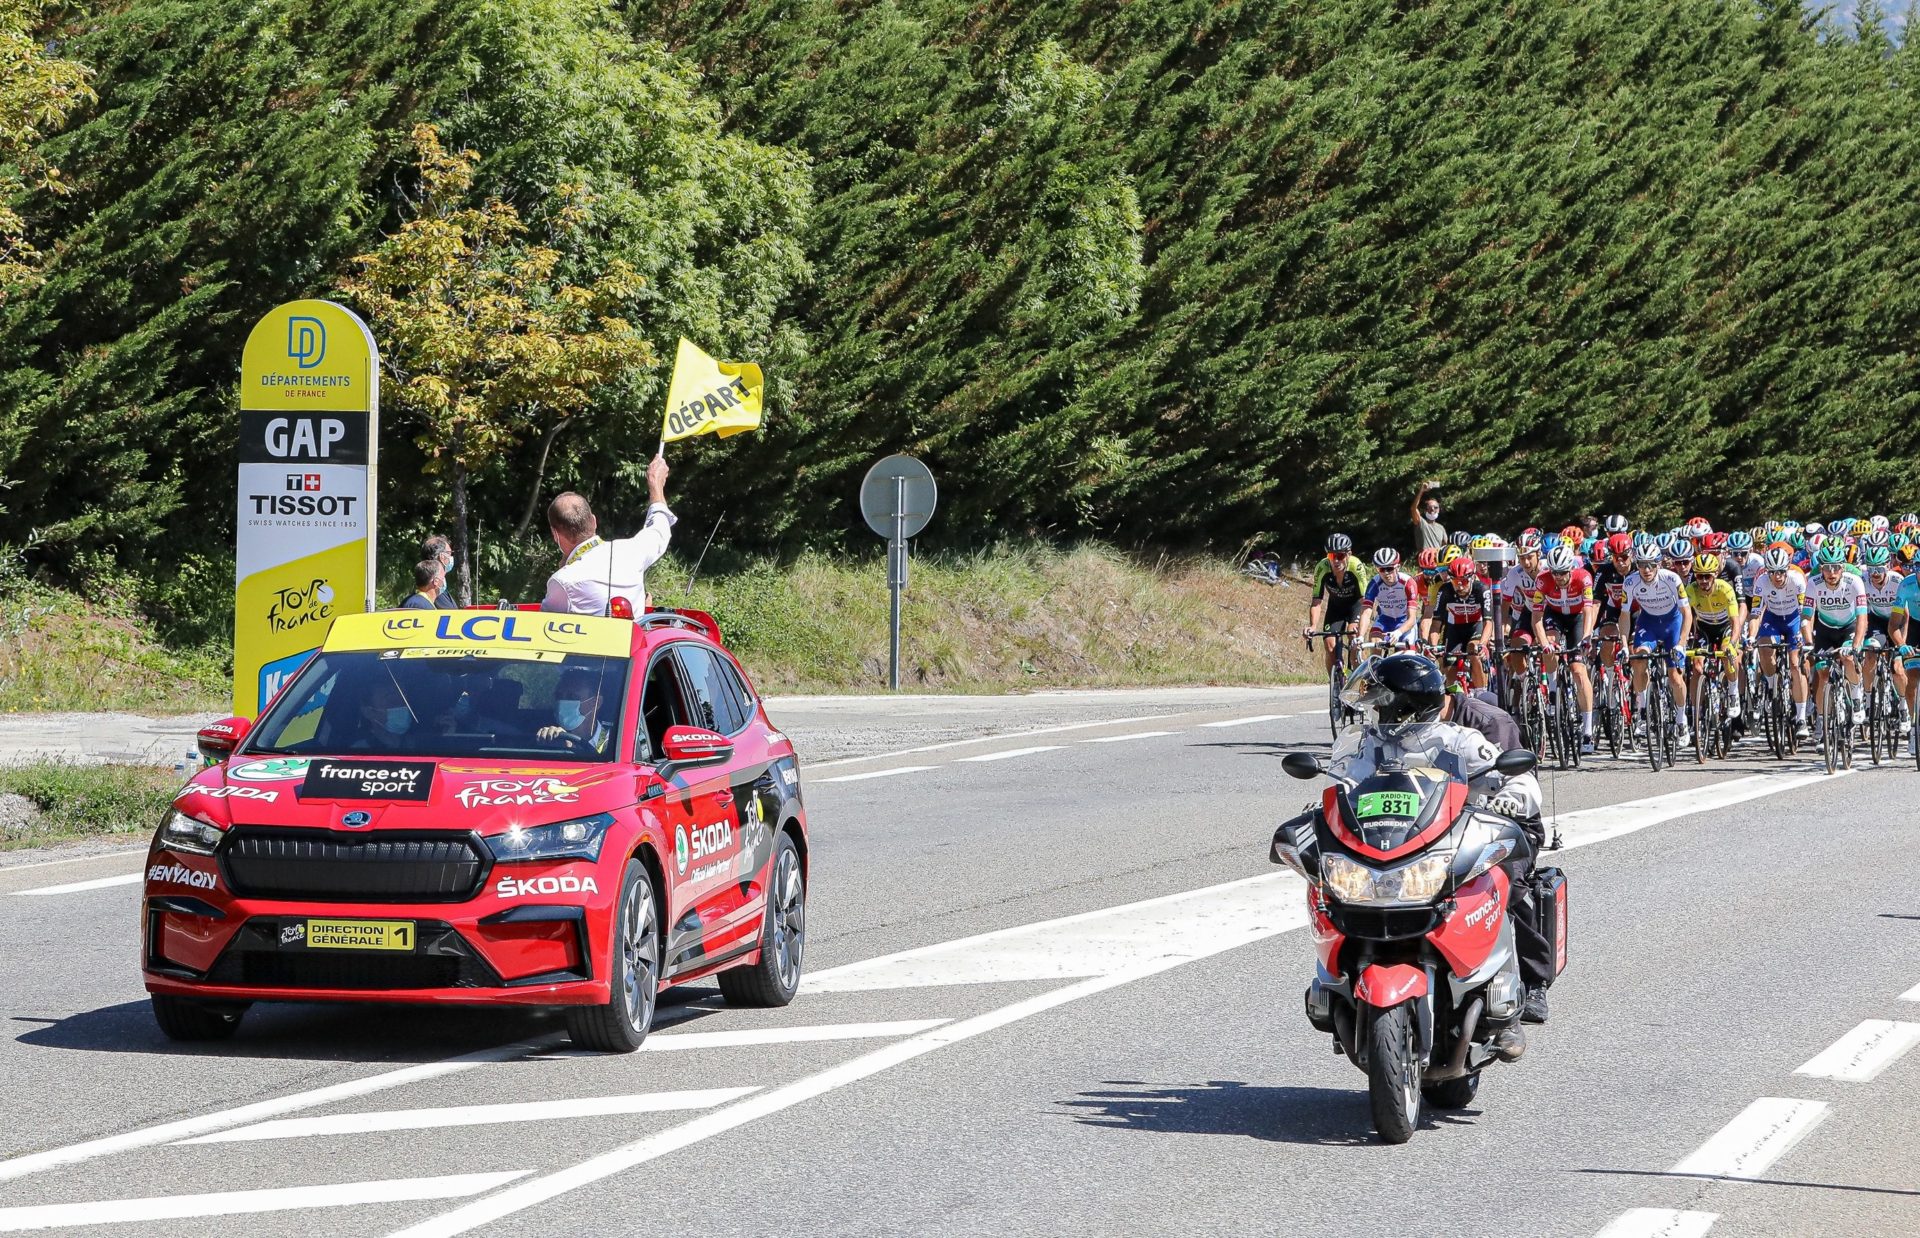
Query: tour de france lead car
[[483, 806]]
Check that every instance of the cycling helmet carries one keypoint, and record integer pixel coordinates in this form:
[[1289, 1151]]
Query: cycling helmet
[[1403, 690], [1530, 542], [1779, 559], [1863, 526], [1460, 538], [1832, 554], [1663, 542], [1588, 545], [1698, 527], [1706, 564], [1461, 568], [1615, 524], [1910, 518], [1386, 558], [1740, 540], [1573, 534], [1429, 561], [1812, 527], [1879, 537], [1762, 534], [1550, 542], [1646, 552], [1796, 539], [1339, 544], [1875, 556], [1560, 560], [1816, 540], [1450, 553], [1878, 522], [1620, 544], [1682, 548]]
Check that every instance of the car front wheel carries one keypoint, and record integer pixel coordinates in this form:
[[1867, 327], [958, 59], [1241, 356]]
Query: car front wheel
[[621, 1024], [783, 937]]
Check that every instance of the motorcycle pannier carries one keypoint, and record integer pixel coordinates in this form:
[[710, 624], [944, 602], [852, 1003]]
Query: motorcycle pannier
[[1550, 906]]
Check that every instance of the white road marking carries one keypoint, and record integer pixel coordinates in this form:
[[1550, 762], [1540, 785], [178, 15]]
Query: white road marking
[[681, 1041], [1012, 752], [74, 887], [1245, 721], [169, 1132], [1592, 825], [1863, 1052], [878, 773], [1911, 995], [1659, 1223], [528, 1194], [79, 859], [1764, 1132], [987, 739], [1093, 943], [230, 1203], [476, 1115], [1115, 739]]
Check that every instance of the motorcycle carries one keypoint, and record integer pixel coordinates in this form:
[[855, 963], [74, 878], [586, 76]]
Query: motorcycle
[[1408, 904]]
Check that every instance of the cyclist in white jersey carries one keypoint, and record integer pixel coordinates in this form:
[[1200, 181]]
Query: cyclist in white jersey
[[1391, 602], [1655, 610], [1773, 621], [1834, 619], [1882, 584]]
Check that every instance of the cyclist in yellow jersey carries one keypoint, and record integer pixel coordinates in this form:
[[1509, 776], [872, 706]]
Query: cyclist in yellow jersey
[[1719, 616]]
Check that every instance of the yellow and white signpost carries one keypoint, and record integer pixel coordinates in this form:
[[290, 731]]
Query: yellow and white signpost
[[309, 454]]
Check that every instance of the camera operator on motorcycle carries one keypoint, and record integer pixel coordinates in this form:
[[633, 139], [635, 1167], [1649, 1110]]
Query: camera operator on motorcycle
[[1402, 698]]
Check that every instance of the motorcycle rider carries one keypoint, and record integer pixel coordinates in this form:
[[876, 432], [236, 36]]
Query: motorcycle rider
[[1401, 698]]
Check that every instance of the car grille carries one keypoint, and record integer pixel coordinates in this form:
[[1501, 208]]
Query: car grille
[[255, 958], [1384, 923], [331, 866]]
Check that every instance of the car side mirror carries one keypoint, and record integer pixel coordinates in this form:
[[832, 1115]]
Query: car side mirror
[[685, 747], [217, 740], [1515, 762], [1301, 765]]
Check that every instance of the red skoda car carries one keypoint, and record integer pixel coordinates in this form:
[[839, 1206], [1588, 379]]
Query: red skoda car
[[486, 807]]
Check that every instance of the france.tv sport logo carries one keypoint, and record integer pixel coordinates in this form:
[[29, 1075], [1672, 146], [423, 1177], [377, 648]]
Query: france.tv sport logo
[[306, 342]]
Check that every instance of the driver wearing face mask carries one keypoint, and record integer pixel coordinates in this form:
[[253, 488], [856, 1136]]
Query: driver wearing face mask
[[576, 710]]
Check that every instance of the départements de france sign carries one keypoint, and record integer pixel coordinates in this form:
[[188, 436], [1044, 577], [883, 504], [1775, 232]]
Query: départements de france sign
[[309, 456]]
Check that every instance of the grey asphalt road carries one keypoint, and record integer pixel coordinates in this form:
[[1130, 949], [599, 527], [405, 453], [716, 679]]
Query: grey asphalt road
[[1136, 1064]]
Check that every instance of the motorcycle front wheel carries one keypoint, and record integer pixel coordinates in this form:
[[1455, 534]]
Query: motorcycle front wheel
[[1393, 1075]]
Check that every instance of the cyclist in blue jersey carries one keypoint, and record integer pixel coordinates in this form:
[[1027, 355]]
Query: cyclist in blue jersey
[[1391, 604], [1657, 614], [1901, 631]]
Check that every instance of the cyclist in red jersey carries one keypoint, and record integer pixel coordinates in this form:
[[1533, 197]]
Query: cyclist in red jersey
[[1562, 599]]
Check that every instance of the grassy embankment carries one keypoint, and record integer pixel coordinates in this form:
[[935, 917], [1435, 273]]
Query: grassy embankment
[[1011, 620]]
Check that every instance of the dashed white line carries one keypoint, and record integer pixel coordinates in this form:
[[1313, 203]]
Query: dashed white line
[[1911, 995], [878, 773], [1245, 721], [1659, 1223], [229, 1203], [1012, 752], [74, 887], [1764, 1132], [1863, 1052], [169, 1132], [476, 1115], [681, 1041], [1115, 739]]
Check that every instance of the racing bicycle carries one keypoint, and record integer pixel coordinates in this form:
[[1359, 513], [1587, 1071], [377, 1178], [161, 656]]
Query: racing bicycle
[[1773, 699], [1661, 717], [1883, 708], [1708, 688], [1612, 703], [1836, 716], [1338, 711], [1563, 709]]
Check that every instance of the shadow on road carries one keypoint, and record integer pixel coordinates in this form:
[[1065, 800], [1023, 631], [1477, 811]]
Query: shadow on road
[[1331, 1117], [332, 1033]]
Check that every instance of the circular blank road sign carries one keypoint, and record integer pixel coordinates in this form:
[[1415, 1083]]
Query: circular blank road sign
[[878, 490]]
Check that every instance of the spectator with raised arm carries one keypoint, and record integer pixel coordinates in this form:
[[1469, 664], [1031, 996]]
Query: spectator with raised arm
[[1426, 515], [594, 571]]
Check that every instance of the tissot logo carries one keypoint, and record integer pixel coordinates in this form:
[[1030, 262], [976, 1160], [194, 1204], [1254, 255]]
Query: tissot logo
[[303, 481]]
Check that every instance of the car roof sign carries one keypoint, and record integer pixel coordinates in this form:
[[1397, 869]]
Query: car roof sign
[[504, 632]]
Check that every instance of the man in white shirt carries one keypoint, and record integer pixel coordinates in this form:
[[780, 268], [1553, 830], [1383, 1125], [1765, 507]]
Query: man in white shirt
[[593, 570]]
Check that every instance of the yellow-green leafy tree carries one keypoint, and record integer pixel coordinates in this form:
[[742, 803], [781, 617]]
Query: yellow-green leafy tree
[[37, 91], [483, 344]]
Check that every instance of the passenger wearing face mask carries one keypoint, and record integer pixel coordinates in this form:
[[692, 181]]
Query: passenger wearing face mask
[[386, 718], [576, 710]]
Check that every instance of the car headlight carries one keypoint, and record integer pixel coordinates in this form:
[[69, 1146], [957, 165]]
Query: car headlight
[[1418, 882], [578, 839], [185, 833]]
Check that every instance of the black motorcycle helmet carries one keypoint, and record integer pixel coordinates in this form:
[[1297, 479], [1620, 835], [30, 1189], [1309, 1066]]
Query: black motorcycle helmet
[[1403, 690]]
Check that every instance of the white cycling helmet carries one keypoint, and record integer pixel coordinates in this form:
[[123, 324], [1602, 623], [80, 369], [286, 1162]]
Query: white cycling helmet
[[1559, 560], [1386, 557], [1779, 559]]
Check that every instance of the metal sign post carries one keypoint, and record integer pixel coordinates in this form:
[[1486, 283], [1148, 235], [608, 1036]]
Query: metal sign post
[[897, 499]]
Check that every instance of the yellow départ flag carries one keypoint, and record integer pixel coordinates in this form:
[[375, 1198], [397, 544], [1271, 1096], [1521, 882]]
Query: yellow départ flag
[[711, 397]]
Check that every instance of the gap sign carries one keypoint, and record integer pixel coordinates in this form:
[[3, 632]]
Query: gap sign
[[309, 437]]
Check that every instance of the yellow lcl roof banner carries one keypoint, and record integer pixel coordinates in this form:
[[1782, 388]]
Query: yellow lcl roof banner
[[711, 397]]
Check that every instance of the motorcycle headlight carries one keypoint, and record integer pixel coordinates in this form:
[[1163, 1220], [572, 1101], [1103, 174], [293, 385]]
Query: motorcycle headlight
[[578, 839], [1418, 882], [185, 833], [1347, 881]]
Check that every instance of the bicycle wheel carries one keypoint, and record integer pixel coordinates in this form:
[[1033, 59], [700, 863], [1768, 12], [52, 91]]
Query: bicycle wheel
[[1569, 718], [1830, 726], [1887, 711], [1697, 711], [1656, 694], [1607, 705], [1333, 699], [1670, 715], [1716, 716]]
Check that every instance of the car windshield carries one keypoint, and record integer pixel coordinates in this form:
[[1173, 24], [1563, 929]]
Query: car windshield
[[423, 703]]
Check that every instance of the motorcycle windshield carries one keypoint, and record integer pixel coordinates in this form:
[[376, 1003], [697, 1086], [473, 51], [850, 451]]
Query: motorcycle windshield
[[1389, 807]]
